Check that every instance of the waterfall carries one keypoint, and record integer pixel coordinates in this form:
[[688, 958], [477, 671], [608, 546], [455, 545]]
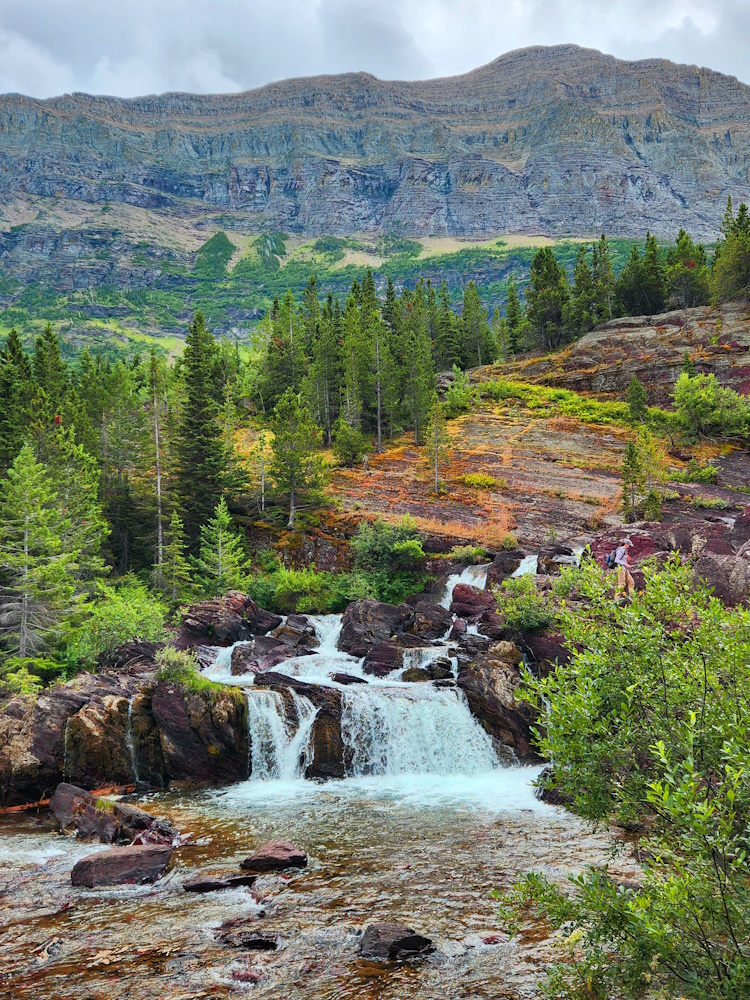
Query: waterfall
[[417, 729], [129, 741], [473, 576], [66, 769], [280, 747]]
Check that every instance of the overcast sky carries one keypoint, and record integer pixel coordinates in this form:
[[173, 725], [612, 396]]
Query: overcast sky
[[50, 47]]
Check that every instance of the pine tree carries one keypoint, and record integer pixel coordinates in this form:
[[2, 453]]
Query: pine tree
[[296, 468], [15, 396], [632, 481], [325, 379], [357, 364], [418, 372], [514, 318], [687, 274], [200, 453], [446, 348], [477, 340], [580, 312], [637, 402], [374, 338], [284, 364], [437, 441], [688, 365], [546, 297], [35, 566], [604, 280], [653, 278], [221, 563], [174, 575]]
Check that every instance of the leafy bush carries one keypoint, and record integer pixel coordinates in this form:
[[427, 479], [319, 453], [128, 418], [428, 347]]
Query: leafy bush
[[457, 399], [509, 542], [471, 554], [650, 723], [481, 481], [521, 604], [309, 591], [392, 557], [706, 409], [28, 674], [696, 473], [127, 611], [711, 503], [180, 667]]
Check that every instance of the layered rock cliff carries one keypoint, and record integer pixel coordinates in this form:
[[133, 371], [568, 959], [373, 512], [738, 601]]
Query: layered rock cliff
[[556, 140]]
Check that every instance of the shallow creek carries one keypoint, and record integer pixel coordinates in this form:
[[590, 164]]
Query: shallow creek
[[428, 823]]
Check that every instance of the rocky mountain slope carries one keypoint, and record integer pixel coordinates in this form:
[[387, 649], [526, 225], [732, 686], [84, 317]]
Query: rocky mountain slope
[[556, 140]]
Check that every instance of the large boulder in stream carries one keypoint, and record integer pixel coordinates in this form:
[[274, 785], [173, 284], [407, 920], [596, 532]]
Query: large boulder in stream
[[223, 621], [431, 621], [503, 565], [298, 633], [260, 654], [367, 623], [470, 603], [275, 856], [105, 820], [122, 866], [393, 943], [489, 683], [327, 741]]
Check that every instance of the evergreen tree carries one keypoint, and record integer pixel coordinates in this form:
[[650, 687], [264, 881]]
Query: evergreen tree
[[637, 402], [221, 563], [174, 575], [446, 349], [687, 275], [284, 364], [357, 364], [35, 566], [200, 454], [630, 285], [546, 297], [632, 481], [653, 278], [418, 371], [514, 318], [349, 445], [604, 280], [437, 441], [688, 365], [15, 397], [731, 266], [50, 371], [325, 380], [296, 468], [477, 338], [374, 340], [581, 309], [310, 312]]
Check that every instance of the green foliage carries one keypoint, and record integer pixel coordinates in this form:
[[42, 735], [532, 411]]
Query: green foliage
[[471, 554], [637, 401], [649, 724], [121, 613], [522, 605], [696, 473], [308, 591], [180, 667], [221, 563], [706, 409], [731, 266], [711, 503], [392, 557], [547, 298], [509, 542], [349, 444], [458, 397], [480, 481], [297, 469], [633, 481], [212, 258], [688, 277], [546, 401]]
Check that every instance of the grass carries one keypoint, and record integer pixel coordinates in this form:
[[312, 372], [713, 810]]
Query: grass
[[181, 668]]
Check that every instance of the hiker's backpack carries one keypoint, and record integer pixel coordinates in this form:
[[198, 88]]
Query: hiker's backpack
[[610, 560]]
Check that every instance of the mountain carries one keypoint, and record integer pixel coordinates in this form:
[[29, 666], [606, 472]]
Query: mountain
[[551, 141]]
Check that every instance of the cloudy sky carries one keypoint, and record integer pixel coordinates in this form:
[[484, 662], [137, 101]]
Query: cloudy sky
[[50, 47]]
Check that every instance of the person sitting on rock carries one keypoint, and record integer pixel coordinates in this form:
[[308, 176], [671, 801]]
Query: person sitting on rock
[[625, 582]]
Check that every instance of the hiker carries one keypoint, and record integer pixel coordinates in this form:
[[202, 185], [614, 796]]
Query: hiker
[[625, 582]]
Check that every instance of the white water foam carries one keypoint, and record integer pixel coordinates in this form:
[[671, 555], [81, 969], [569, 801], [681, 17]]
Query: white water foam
[[472, 576], [280, 746]]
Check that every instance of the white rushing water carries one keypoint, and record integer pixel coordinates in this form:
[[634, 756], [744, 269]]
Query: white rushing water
[[280, 746], [472, 576]]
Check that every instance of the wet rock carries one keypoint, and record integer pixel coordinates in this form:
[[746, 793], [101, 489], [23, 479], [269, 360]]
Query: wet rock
[[263, 653], [470, 603], [122, 865], [551, 557], [96, 739], [276, 855], [223, 621], [503, 565], [367, 623], [471, 645], [347, 679], [489, 683], [240, 933], [459, 628], [546, 648], [382, 659], [203, 734], [492, 624], [105, 820], [431, 621], [297, 632], [416, 675], [328, 744], [393, 943], [210, 883]]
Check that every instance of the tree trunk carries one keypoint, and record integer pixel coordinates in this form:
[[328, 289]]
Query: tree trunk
[[290, 522]]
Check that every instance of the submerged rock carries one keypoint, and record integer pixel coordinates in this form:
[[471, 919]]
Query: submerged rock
[[213, 883], [276, 855], [241, 933], [347, 679], [122, 865], [393, 943]]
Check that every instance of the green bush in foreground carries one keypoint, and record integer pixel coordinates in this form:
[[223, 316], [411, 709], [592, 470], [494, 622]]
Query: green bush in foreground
[[521, 604], [650, 723], [127, 611]]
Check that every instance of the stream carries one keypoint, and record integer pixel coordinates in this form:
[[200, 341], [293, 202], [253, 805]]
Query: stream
[[426, 823]]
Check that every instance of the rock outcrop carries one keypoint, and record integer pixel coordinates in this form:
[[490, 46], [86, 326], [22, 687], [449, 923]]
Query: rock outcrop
[[367, 623], [107, 821], [275, 856], [223, 621]]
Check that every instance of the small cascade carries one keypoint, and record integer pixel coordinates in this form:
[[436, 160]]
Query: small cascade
[[66, 768], [129, 741], [417, 730], [473, 576], [280, 748], [528, 566], [423, 656]]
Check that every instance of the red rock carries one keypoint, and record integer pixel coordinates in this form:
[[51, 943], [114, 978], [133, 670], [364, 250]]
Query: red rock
[[470, 602], [223, 621], [367, 623], [504, 565], [393, 942], [208, 883], [276, 855], [121, 866]]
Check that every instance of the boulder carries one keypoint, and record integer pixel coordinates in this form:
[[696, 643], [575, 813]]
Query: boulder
[[503, 565], [416, 675], [104, 820], [96, 743], [545, 648], [470, 603], [122, 865], [242, 933], [393, 943], [297, 633], [431, 621], [459, 628], [728, 577], [203, 733], [367, 623], [260, 654], [382, 659], [223, 621], [133, 658], [492, 624], [551, 557], [276, 855], [489, 683], [347, 679], [214, 883]]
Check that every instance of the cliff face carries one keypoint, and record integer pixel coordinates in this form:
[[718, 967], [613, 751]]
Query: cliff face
[[555, 141]]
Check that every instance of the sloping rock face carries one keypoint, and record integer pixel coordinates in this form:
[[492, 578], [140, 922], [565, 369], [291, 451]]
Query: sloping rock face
[[223, 621], [542, 140], [367, 623]]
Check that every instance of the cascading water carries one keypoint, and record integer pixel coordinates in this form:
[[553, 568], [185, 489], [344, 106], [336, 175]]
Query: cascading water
[[420, 729], [472, 576], [280, 747], [130, 743]]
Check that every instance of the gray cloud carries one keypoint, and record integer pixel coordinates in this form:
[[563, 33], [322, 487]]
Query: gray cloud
[[146, 46]]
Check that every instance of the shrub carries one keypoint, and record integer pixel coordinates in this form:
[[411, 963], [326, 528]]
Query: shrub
[[509, 542], [711, 503], [522, 606], [649, 723], [392, 557], [181, 667], [471, 554], [124, 612], [458, 397], [696, 473], [481, 481], [706, 409], [349, 445]]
